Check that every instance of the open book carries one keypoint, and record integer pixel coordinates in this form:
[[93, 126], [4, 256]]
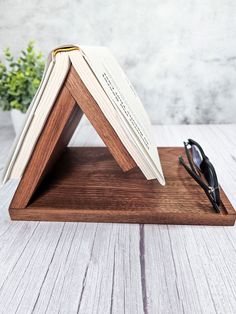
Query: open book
[[114, 95]]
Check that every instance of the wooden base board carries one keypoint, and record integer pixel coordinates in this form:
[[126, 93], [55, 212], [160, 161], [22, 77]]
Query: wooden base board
[[86, 184]]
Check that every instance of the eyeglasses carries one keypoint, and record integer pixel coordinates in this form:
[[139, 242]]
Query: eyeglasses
[[202, 171]]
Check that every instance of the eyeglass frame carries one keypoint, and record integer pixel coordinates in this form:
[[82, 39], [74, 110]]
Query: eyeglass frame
[[197, 177]]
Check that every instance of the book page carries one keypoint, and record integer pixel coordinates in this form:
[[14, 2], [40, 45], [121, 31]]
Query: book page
[[124, 98], [109, 111], [37, 114]]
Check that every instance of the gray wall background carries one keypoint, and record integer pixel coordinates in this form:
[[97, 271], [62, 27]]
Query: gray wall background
[[179, 54]]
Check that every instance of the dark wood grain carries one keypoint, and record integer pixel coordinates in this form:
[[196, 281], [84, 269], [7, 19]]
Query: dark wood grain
[[73, 100], [57, 132], [94, 114], [86, 184]]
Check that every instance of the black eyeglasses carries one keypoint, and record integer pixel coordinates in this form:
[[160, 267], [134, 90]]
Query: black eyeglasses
[[202, 171]]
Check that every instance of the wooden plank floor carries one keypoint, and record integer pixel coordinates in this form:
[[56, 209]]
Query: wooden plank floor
[[122, 268]]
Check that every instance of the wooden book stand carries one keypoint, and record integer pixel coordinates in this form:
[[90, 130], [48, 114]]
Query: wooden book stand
[[87, 184]]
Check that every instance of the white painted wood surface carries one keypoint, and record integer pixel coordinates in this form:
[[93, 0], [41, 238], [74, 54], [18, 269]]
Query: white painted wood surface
[[122, 268]]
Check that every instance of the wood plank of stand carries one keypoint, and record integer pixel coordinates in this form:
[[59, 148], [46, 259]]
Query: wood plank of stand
[[57, 132], [86, 184], [90, 108]]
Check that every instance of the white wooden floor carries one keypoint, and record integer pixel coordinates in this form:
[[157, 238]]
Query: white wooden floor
[[122, 268]]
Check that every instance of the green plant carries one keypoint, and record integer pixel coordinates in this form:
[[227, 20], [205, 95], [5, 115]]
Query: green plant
[[20, 78]]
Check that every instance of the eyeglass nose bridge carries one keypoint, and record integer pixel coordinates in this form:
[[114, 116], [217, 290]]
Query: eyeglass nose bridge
[[211, 189]]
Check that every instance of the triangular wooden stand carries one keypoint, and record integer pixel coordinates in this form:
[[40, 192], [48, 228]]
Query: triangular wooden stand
[[86, 184]]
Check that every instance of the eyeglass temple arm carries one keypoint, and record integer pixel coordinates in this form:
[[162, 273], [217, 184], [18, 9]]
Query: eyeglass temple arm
[[200, 182]]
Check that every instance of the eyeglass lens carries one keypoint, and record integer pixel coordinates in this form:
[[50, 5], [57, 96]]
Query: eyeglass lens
[[206, 169], [197, 156]]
